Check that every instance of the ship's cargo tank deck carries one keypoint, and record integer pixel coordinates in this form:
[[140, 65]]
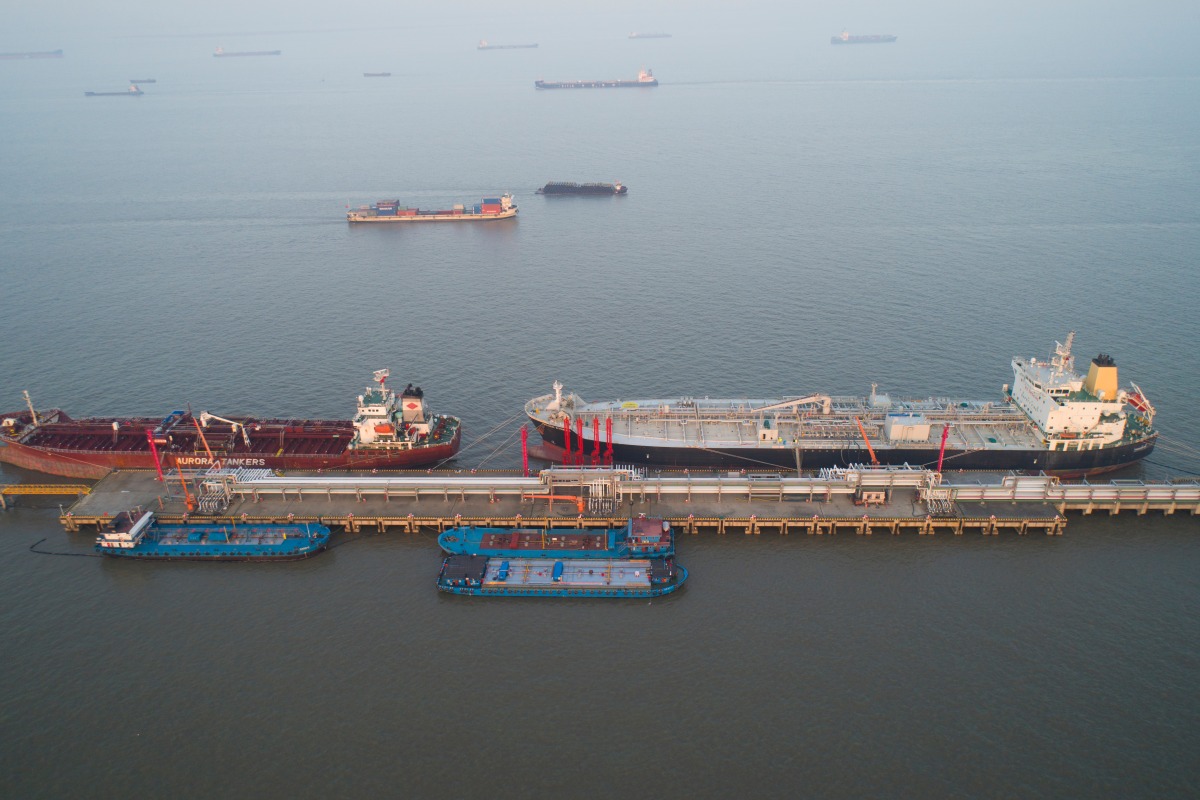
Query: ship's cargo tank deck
[[527, 539], [736, 423], [275, 436], [539, 572]]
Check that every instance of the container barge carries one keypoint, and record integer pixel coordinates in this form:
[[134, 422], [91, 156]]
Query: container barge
[[561, 187], [1051, 419], [645, 78], [388, 431], [565, 577], [636, 35], [133, 91], [223, 53], [642, 537], [137, 535], [845, 38], [490, 208]]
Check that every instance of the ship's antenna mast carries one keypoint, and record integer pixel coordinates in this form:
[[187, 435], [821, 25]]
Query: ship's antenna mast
[[32, 413], [1062, 354], [381, 376]]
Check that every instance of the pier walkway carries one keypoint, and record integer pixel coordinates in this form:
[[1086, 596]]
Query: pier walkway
[[863, 500]]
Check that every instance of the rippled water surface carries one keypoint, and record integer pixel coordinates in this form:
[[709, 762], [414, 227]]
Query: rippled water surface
[[791, 226]]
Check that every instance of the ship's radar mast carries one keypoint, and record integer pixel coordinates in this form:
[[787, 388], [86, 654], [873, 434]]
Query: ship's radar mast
[[1062, 354], [557, 403], [381, 376]]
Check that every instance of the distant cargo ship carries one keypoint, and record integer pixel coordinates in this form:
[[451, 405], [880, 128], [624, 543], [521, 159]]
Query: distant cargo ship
[[490, 208], [636, 35], [565, 577], [139, 536], [389, 431], [223, 53], [560, 187], [483, 45], [32, 54], [377, 74], [846, 38], [132, 91], [143, 80], [1051, 419], [644, 78], [642, 537]]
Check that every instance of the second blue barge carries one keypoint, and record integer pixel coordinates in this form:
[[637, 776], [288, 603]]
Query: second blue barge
[[137, 535], [642, 537]]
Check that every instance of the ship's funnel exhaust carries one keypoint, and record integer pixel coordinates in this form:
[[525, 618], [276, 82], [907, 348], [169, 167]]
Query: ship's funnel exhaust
[[1102, 378]]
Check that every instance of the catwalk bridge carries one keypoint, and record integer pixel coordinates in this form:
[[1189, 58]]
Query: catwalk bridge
[[859, 499]]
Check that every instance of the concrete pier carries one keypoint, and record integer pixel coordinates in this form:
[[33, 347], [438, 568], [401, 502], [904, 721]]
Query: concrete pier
[[861, 500]]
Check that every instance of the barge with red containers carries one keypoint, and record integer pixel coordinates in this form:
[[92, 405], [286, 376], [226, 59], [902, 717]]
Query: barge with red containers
[[490, 208], [390, 430]]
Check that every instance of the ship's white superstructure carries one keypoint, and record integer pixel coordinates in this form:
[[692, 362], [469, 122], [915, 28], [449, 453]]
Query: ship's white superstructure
[[384, 420], [1066, 407], [126, 531]]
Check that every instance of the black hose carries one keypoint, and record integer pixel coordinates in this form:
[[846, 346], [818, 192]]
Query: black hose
[[32, 549]]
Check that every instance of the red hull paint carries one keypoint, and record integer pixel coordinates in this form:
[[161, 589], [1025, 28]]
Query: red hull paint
[[95, 464]]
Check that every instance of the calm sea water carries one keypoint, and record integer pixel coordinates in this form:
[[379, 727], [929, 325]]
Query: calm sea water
[[799, 218]]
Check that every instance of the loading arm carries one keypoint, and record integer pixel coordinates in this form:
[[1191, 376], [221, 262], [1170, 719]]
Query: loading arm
[[824, 400], [206, 417]]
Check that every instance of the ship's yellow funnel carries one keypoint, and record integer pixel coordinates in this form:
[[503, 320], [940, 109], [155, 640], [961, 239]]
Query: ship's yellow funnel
[[1102, 378]]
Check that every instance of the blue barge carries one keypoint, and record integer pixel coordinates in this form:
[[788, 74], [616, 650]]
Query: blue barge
[[566, 577], [642, 537], [137, 535]]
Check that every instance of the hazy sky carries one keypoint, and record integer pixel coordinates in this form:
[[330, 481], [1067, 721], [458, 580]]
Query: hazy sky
[[1151, 37]]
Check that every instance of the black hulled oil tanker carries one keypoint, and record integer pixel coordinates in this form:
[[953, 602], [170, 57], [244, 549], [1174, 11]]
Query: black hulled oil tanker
[[1051, 419], [221, 52], [31, 54], [484, 45], [132, 91], [873, 38], [563, 187], [645, 79]]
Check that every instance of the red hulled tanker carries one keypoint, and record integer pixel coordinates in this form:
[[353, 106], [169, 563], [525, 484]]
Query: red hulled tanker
[[388, 431]]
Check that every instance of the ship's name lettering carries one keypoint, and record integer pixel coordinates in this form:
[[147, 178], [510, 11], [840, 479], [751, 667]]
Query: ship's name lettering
[[238, 462]]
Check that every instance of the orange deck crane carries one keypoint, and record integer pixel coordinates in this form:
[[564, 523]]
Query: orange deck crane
[[187, 496], [871, 450]]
